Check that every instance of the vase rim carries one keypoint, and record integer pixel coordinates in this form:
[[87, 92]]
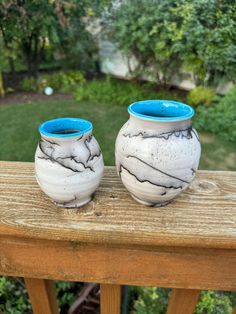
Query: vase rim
[[51, 127], [161, 110]]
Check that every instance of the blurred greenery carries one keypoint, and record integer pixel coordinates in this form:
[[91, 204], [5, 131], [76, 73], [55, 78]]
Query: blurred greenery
[[201, 95], [150, 300], [59, 81], [221, 118], [121, 93], [33, 32], [14, 296], [165, 36]]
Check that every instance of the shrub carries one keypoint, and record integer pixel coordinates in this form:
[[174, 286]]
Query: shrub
[[197, 35], [29, 84], [63, 81], [201, 95], [208, 46], [151, 301], [13, 296], [213, 302], [154, 301], [59, 81], [220, 119], [147, 30], [118, 92], [32, 28]]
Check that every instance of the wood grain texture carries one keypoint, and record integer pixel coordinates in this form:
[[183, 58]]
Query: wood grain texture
[[203, 216], [164, 267], [42, 296], [110, 299], [183, 301]]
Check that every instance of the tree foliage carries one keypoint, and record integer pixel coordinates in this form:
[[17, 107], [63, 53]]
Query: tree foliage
[[34, 27], [209, 43], [147, 30], [197, 35]]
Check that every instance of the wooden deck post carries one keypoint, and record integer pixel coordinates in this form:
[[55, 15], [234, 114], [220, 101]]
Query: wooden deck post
[[110, 299], [42, 296], [183, 301]]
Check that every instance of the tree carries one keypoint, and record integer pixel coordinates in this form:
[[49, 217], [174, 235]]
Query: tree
[[164, 36], [147, 30], [34, 24], [208, 46], [28, 24]]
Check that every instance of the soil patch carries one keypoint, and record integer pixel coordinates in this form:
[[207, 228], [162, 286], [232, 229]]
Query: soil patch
[[29, 97]]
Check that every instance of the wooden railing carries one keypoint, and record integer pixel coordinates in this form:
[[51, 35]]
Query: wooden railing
[[189, 245]]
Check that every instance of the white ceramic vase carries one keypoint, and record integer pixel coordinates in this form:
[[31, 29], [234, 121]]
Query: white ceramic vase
[[157, 151], [68, 161]]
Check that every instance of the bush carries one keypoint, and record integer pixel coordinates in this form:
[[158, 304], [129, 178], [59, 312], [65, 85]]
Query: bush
[[118, 92], [35, 32], [63, 81], [151, 300], [196, 35], [147, 30], [29, 84], [59, 81], [155, 300], [213, 302], [13, 296], [201, 95], [220, 119]]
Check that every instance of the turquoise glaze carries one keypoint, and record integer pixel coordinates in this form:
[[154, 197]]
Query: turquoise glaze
[[48, 128], [161, 110]]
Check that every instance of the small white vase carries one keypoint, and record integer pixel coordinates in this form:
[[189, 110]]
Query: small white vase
[[68, 161], [157, 151]]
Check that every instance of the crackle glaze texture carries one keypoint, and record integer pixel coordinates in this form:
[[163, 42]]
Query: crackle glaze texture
[[69, 169], [157, 160]]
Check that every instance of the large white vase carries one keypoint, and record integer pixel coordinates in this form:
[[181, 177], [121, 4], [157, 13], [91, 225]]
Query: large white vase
[[157, 151]]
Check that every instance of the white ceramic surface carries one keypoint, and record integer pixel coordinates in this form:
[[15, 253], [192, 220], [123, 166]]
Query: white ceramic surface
[[69, 169], [157, 158]]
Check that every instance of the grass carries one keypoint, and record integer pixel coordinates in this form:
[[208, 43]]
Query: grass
[[19, 135]]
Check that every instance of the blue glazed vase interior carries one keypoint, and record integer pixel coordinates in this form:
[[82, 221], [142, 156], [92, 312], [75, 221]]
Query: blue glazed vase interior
[[161, 110], [65, 127]]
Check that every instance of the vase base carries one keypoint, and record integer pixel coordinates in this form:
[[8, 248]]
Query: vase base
[[75, 203], [149, 204]]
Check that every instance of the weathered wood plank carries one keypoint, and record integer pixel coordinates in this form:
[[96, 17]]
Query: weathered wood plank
[[185, 268], [183, 301], [42, 296], [203, 216], [110, 299]]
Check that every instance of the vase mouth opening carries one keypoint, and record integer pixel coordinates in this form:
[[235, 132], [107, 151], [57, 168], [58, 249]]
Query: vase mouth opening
[[65, 127], [161, 110]]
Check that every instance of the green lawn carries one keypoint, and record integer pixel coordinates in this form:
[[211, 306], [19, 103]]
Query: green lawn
[[19, 135]]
